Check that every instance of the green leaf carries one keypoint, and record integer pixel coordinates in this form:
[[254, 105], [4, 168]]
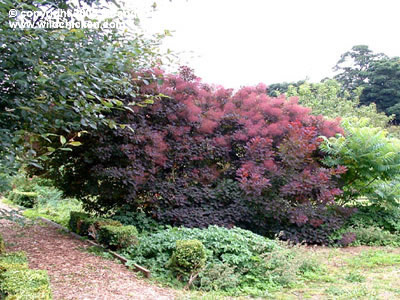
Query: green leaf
[[63, 140], [75, 143]]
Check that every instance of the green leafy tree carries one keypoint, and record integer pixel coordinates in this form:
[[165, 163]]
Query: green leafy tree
[[383, 86], [56, 84], [326, 99], [276, 89], [377, 74], [354, 66]]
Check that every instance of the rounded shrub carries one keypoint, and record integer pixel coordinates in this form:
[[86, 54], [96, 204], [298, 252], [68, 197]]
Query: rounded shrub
[[189, 257]]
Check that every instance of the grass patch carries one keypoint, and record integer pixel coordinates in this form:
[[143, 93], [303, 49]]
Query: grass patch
[[374, 258], [57, 211]]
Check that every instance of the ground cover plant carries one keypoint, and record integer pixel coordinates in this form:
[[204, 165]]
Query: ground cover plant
[[236, 261], [17, 281]]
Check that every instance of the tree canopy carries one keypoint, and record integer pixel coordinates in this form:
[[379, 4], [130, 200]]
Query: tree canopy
[[325, 98], [376, 73], [56, 81]]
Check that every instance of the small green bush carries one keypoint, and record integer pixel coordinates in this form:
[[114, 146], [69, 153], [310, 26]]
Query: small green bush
[[13, 261], [106, 231], [25, 199], [377, 216], [48, 195], [366, 235], [2, 246], [117, 236], [25, 284], [17, 281], [189, 257], [218, 276], [80, 222], [374, 236]]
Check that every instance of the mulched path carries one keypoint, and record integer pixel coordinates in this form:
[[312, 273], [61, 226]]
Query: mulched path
[[75, 273]]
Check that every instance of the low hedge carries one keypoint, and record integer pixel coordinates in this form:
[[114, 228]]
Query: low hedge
[[80, 222], [116, 237], [13, 261], [108, 232], [25, 199], [17, 281]]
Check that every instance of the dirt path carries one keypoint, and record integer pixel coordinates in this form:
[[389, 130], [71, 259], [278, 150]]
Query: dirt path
[[74, 273]]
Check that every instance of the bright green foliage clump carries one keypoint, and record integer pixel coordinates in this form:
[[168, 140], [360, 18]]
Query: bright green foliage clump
[[108, 232], [32, 191], [48, 203], [117, 236], [57, 211], [369, 155], [13, 260], [25, 284], [374, 236], [326, 99], [25, 199], [189, 257], [371, 183], [372, 225], [374, 215], [19, 282], [128, 216]]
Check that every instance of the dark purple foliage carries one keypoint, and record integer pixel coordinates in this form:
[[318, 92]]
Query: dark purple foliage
[[347, 239], [204, 155]]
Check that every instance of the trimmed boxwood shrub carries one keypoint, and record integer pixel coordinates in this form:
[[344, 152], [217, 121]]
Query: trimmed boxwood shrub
[[189, 257], [88, 225], [80, 222], [13, 260], [117, 236], [17, 281], [25, 199], [25, 284]]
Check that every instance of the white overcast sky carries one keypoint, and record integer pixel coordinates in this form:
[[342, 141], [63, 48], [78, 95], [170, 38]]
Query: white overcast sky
[[245, 42]]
